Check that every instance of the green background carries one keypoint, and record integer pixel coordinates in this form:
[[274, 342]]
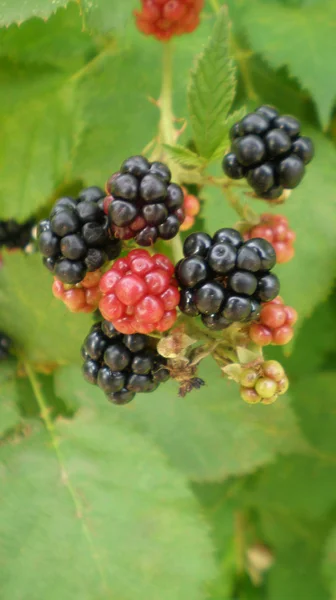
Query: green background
[[167, 498]]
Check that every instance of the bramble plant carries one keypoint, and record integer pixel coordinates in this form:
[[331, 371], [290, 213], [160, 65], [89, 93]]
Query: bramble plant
[[171, 226]]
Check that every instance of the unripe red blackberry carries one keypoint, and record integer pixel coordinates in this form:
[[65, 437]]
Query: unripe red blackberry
[[275, 324], [165, 18], [76, 238], [122, 365], [268, 150], [275, 229], [83, 297], [143, 203]]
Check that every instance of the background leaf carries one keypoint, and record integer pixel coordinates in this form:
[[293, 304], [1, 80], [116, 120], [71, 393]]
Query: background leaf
[[18, 11]]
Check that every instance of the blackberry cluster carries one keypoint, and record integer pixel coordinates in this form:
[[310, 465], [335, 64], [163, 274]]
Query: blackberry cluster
[[225, 279], [269, 151], [165, 18], [122, 365], [143, 203], [275, 229], [15, 235], [5, 346], [76, 238]]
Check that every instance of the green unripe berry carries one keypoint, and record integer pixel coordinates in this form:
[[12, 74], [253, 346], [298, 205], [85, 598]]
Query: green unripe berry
[[266, 388], [273, 370], [269, 400], [248, 378], [249, 395], [283, 386]]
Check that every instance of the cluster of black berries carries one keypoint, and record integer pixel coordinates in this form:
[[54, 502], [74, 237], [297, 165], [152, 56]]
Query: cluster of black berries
[[15, 235], [144, 204], [268, 150], [224, 278], [122, 365], [76, 238], [5, 346]]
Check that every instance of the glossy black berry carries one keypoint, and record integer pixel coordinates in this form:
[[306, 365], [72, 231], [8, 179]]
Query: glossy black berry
[[237, 308], [147, 236], [88, 211], [109, 330], [174, 197], [227, 234], [289, 124], [117, 357], [95, 258], [216, 322], [142, 363], [303, 147], [290, 171], [235, 131], [268, 112], [277, 143], [187, 304], [274, 192], [123, 397], [63, 203], [209, 297], [138, 383], [152, 189], [160, 170], [155, 214], [125, 186], [110, 381], [49, 263], [91, 194], [253, 123], [73, 246], [197, 243], [90, 371], [135, 342], [255, 310], [250, 150], [243, 282], [70, 271], [222, 258], [232, 167], [191, 271], [169, 228], [268, 287], [248, 259], [264, 250], [65, 222], [43, 226], [261, 178], [49, 244], [95, 344], [122, 213], [136, 165], [161, 375]]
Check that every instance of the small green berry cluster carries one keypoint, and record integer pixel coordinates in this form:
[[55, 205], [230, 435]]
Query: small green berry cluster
[[263, 384]]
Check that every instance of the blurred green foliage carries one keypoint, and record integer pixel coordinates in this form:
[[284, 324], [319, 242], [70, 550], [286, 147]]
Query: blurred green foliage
[[201, 498]]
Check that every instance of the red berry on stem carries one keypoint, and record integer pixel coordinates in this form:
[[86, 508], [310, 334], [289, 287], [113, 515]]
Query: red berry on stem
[[130, 289], [273, 315], [111, 308], [260, 335], [283, 335], [291, 315]]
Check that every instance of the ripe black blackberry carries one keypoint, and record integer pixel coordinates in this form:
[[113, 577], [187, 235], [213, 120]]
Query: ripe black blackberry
[[76, 237], [268, 150], [225, 279], [14, 235], [122, 365], [143, 203], [5, 346]]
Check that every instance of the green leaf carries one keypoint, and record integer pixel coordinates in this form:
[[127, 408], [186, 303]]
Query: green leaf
[[107, 15], [309, 56], [212, 89], [9, 411], [16, 11], [41, 326], [184, 157], [315, 403], [329, 563], [223, 147], [208, 435], [301, 484], [106, 518]]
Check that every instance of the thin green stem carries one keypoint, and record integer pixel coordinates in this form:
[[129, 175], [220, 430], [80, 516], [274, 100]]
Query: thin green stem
[[49, 425]]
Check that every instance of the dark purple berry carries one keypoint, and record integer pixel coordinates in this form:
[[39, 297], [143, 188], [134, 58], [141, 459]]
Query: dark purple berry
[[191, 271], [169, 228], [264, 250], [268, 112], [49, 244], [232, 167], [155, 214], [261, 178], [91, 194], [123, 397], [63, 203], [216, 322], [89, 211], [187, 304], [160, 170], [117, 357], [147, 236], [250, 150], [253, 123], [110, 381], [222, 258], [273, 193], [90, 371], [248, 259], [95, 344], [227, 234], [153, 189], [237, 308], [277, 143], [303, 147], [268, 287], [197, 243], [161, 375], [142, 363], [175, 197], [124, 186], [73, 246], [65, 222], [122, 213], [209, 297], [49, 263], [138, 383], [70, 271], [235, 131], [94, 234], [289, 124], [95, 258], [135, 342], [290, 171], [243, 282], [136, 165]]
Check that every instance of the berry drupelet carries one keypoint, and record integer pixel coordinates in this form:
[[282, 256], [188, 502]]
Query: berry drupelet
[[275, 229], [265, 384], [275, 324], [224, 278], [80, 298], [122, 365], [269, 151], [143, 203], [76, 238], [191, 207], [139, 293], [166, 18], [5, 346]]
